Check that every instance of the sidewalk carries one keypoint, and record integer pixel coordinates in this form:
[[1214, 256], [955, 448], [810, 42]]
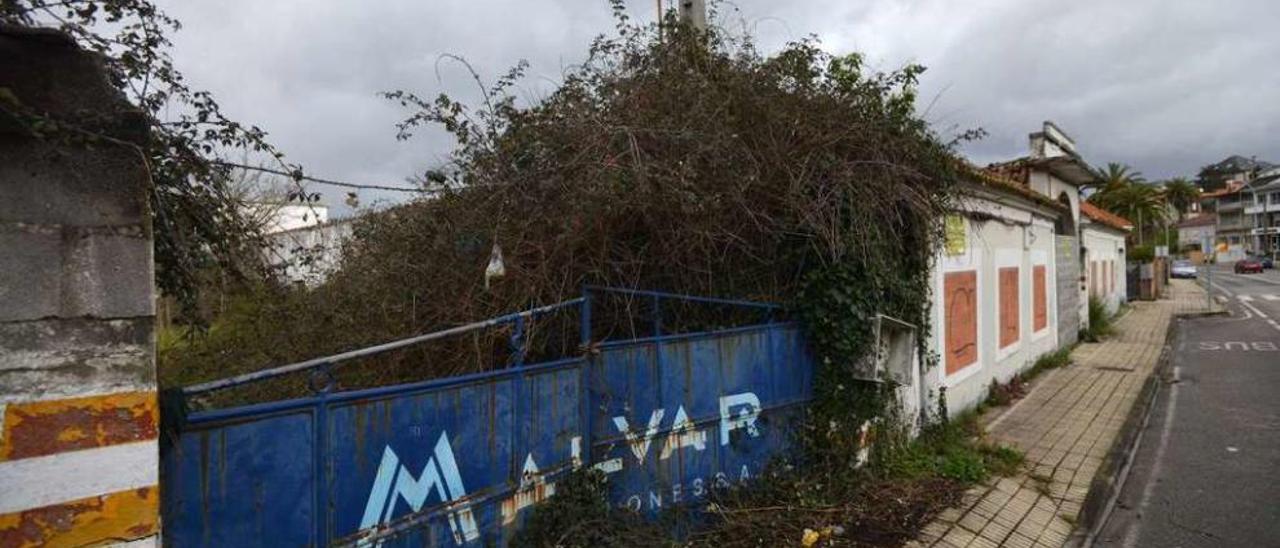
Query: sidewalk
[[1066, 426]]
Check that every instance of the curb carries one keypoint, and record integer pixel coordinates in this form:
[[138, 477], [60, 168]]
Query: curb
[[1110, 477]]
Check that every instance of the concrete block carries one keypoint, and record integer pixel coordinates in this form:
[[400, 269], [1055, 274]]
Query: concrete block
[[107, 275], [43, 184], [30, 281], [64, 358], [71, 272]]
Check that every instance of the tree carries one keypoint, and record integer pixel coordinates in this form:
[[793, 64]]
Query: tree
[[1181, 193], [1125, 194], [198, 223], [1116, 176]]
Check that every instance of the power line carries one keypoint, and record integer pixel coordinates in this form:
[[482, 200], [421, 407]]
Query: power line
[[299, 176]]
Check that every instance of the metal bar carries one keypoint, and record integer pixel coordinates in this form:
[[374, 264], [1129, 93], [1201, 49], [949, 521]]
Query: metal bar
[[320, 451], [657, 316], [693, 298], [517, 343], [368, 351], [586, 393]]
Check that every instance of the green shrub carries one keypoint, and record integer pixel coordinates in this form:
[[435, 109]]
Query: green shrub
[[1141, 253], [1099, 322]]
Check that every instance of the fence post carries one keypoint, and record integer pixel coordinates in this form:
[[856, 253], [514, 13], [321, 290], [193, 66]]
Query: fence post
[[321, 451], [587, 378], [517, 342]]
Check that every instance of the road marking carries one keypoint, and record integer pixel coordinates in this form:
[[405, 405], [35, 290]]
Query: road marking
[[1223, 289], [1131, 536], [1256, 312], [1271, 297], [1245, 298], [1222, 299]]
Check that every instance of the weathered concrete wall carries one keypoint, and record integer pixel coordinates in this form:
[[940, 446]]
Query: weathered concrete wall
[[78, 411], [1067, 260]]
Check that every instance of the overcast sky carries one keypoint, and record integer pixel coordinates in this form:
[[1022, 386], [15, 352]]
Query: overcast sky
[[1164, 85]]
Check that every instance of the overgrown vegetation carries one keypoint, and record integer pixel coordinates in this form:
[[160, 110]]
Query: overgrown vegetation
[[1100, 325], [674, 160], [1002, 394], [883, 504], [685, 161]]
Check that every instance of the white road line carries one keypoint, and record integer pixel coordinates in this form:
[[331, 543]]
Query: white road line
[[1271, 297], [1222, 299], [1256, 312], [1131, 535], [1245, 298], [1223, 289]]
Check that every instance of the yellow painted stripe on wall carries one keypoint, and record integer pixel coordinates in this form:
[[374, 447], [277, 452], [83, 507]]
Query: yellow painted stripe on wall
[[39, 428], [110, 518]]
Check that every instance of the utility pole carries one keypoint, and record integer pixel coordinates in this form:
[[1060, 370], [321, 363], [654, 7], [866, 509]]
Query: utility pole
[[694, 12]]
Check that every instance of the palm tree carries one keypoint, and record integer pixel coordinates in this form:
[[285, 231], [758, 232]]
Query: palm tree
[[1180, 193], [1124, 192], [1116, 176]]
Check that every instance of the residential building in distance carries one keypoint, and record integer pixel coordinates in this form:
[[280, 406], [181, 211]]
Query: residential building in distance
[[1195, 231], [1231, 229], [1261, 199], [303, 245]]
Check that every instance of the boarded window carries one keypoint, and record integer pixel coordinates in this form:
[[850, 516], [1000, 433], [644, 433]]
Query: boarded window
[[1039, 298], [960, 292], [1008, 306]]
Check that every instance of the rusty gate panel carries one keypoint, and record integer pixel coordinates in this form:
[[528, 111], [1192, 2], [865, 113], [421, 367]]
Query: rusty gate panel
[[242, 479], [458, 461]]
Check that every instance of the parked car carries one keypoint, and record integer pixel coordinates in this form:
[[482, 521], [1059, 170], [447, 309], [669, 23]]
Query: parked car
[[1268, 262], [1182, 269], [1248, 265]]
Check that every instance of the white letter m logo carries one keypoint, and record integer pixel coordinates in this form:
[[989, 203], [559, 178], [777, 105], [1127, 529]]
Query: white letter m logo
[[440, 476]]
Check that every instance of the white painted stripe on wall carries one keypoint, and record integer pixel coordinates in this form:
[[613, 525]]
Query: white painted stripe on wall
[[63, 477]]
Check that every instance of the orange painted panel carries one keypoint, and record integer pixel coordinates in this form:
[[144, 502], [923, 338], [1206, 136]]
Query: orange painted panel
[[1039, 298], [960, 298], [106, 519], [1009, 328], [40, 428]]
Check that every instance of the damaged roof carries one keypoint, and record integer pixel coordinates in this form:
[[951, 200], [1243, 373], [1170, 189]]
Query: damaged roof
[[1104, 217]]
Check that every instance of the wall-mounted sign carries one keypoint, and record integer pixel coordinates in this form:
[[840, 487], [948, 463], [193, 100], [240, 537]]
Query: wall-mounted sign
[[956, 235]]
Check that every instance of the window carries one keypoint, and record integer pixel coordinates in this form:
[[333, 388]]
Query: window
[[1039, 298], [1009, 326], [960, 299]]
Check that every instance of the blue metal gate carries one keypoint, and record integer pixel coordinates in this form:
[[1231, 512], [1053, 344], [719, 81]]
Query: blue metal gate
[[458, 460]]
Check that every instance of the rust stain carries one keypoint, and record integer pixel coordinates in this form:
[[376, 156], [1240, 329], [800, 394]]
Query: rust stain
[[110, 518], [46, 427]]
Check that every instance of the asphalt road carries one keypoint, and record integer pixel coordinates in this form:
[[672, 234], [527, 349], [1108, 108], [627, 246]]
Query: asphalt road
[[1207, 470]]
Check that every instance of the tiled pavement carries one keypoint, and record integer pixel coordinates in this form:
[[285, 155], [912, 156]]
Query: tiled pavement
[[1065, 425]]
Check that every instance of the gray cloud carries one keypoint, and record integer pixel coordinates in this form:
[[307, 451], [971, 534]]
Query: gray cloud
[[1166, 86]]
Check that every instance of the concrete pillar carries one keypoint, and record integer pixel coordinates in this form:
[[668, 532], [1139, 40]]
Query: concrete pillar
[[78, 410]]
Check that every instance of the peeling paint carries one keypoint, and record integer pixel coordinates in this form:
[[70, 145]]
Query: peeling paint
[[120, 516], [47, 427]]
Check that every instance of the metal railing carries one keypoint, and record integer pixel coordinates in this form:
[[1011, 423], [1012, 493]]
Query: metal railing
[[517, 320]]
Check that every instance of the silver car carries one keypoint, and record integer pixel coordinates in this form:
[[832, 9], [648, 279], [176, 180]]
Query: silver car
[[1183, 269]]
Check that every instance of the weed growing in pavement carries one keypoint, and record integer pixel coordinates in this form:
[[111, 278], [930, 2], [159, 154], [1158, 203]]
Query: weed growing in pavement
[[1100, 326]]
